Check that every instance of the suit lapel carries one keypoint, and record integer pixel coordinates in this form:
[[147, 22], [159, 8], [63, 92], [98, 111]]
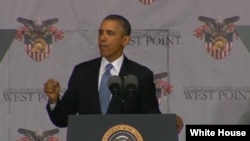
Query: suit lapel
[[124, 68], [95, 67]]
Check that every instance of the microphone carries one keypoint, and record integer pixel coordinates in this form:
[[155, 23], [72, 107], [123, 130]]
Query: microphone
[[114, 84], [130, 84]]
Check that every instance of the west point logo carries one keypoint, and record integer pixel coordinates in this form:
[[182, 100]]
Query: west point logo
[[26, 94], [217, 34], [217, 93], [156, 37], [38, 36], [162, 86], [38, 135]]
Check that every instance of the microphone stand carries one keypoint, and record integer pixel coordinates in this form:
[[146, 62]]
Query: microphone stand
[[125, 95], [120, 94], [122, 100]]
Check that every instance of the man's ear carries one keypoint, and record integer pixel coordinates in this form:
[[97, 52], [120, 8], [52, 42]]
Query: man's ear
[[126, 40]]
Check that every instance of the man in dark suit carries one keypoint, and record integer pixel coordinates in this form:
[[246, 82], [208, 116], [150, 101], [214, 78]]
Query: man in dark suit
[[82, 95]]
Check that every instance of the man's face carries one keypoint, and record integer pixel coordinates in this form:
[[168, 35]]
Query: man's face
[[111, 39]]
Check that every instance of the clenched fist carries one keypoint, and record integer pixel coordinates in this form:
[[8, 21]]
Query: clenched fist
[[52, 90]]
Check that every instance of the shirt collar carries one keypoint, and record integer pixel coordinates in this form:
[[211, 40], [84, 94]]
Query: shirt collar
[[116, 64]]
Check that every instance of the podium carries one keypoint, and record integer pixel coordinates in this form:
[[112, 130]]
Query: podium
[[134, 127]]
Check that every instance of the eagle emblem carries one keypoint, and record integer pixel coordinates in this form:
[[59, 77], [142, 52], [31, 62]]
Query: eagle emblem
[[218, 35], [38, 36], [38, 135], [161, 85]]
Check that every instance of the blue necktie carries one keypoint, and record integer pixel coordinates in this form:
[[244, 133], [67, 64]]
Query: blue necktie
[[104, 91]]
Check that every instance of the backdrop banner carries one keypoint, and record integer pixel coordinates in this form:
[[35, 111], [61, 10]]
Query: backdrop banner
[[199, 59]]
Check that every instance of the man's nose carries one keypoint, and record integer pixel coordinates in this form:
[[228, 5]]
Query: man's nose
[[102, 37]]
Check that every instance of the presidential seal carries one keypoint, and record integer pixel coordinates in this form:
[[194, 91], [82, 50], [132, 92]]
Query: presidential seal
[[122, 133]]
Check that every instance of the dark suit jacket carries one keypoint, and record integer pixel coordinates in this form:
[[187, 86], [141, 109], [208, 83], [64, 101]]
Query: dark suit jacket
[[82, 95]]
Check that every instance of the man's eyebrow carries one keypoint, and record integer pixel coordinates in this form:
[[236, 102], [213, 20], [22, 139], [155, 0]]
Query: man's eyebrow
[[110, 31]]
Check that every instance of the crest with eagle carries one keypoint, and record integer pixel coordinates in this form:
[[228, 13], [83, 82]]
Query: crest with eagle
[[218, 34], [38, 135], [37, 35]]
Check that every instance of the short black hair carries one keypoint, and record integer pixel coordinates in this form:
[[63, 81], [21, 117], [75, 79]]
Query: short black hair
[[122, 20]]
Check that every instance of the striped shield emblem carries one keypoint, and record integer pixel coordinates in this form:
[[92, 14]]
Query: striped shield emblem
[[39, 48], [219, 46], [147, 2], [218, 35], [38, 36]]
